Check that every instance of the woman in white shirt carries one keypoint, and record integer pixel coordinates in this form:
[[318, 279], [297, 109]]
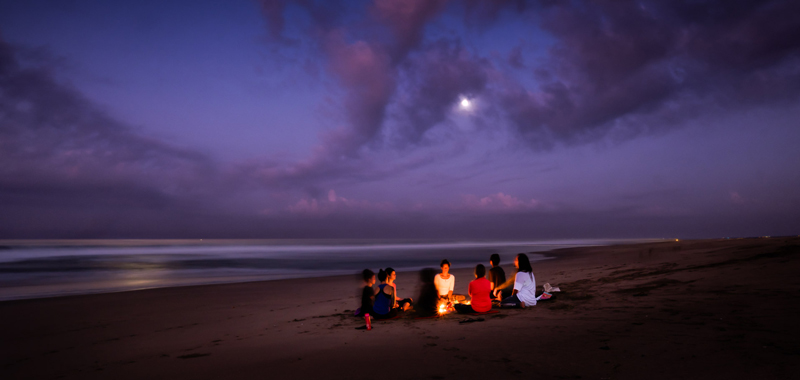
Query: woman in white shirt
[[524, 293], [445, 282]]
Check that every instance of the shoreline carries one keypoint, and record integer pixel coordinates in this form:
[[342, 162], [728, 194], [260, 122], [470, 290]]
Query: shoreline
[[67, 268], [705, 308]]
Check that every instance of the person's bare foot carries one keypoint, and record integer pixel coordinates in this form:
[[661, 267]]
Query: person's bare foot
[[522, 304]]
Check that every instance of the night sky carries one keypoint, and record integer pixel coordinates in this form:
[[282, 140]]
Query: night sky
[[399, 119]]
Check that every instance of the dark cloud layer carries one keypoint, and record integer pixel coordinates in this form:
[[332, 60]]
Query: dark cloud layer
[[61, 152], [639, 65], [618, 67]]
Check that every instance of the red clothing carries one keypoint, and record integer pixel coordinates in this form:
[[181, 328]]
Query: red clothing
[[480, 290]]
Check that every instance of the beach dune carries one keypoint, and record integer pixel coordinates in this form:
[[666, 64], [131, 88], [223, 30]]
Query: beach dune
[[683, 309]]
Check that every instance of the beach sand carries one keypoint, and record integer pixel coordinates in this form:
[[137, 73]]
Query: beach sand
[[720, 309]]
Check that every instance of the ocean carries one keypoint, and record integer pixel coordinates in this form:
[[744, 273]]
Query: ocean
[[46, 268]]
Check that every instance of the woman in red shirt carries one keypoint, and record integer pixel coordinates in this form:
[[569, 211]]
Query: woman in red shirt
[[480, 290]]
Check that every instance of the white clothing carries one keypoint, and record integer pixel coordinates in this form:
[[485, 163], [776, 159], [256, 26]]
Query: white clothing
[[525, 285], [444, 286]]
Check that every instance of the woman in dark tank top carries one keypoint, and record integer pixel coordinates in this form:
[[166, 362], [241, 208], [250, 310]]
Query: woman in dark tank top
[[384, 298]]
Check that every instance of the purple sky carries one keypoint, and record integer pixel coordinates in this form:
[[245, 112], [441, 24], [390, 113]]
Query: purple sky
[[399, 118]]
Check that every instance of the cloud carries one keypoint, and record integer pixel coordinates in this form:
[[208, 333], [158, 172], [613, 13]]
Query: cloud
[[336, 204], [625, 68], [365, 71], [434, 80], [498, 202], [406, 20], [365, 60], [365, 63], [273, 12], [60, 151], [618, 69]]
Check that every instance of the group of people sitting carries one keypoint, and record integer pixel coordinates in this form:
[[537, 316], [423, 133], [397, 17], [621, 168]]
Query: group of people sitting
[[384, 303]]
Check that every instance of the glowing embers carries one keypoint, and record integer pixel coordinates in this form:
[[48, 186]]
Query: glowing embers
[[446, 306]]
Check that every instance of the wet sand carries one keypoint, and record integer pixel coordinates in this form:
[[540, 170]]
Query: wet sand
[[689, 309]]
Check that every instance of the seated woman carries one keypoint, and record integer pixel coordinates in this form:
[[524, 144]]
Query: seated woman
[[480, 293], [445, 282], [384, 299], [524, 293], [367, 293], [401, 304]]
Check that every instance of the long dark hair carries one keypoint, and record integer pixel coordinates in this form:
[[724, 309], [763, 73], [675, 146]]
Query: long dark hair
[[524, 263]]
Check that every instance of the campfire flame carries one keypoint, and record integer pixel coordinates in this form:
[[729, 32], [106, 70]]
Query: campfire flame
[[445, 306]]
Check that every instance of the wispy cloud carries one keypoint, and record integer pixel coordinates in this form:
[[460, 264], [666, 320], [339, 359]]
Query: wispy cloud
[[499, 202], [336, 204]]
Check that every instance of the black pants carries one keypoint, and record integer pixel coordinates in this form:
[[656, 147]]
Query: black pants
[[391, 314], [402, 302], [464, 309]]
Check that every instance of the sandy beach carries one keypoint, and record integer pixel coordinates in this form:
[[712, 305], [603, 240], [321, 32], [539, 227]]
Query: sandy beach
[[721, 309]]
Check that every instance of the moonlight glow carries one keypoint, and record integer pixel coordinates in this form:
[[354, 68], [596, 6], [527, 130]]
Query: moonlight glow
[[465, 104]]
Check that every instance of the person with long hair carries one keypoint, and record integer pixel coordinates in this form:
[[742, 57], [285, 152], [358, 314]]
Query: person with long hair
[[384, 298], [401, 304], [479, 292], [445, 282], [524, 293]]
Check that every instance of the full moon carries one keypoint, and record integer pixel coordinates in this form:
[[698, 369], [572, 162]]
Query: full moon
[[465, 103]]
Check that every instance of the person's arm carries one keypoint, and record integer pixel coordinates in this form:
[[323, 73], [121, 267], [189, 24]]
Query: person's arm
[[452, 286], [506, 284], [517, 285], [498, 289]]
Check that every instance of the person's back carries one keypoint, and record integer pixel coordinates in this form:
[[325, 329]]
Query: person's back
[[384, 299], [497, 277], [480, 291], [524, 293], [366, 300], [525, 284], [367, 293]]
